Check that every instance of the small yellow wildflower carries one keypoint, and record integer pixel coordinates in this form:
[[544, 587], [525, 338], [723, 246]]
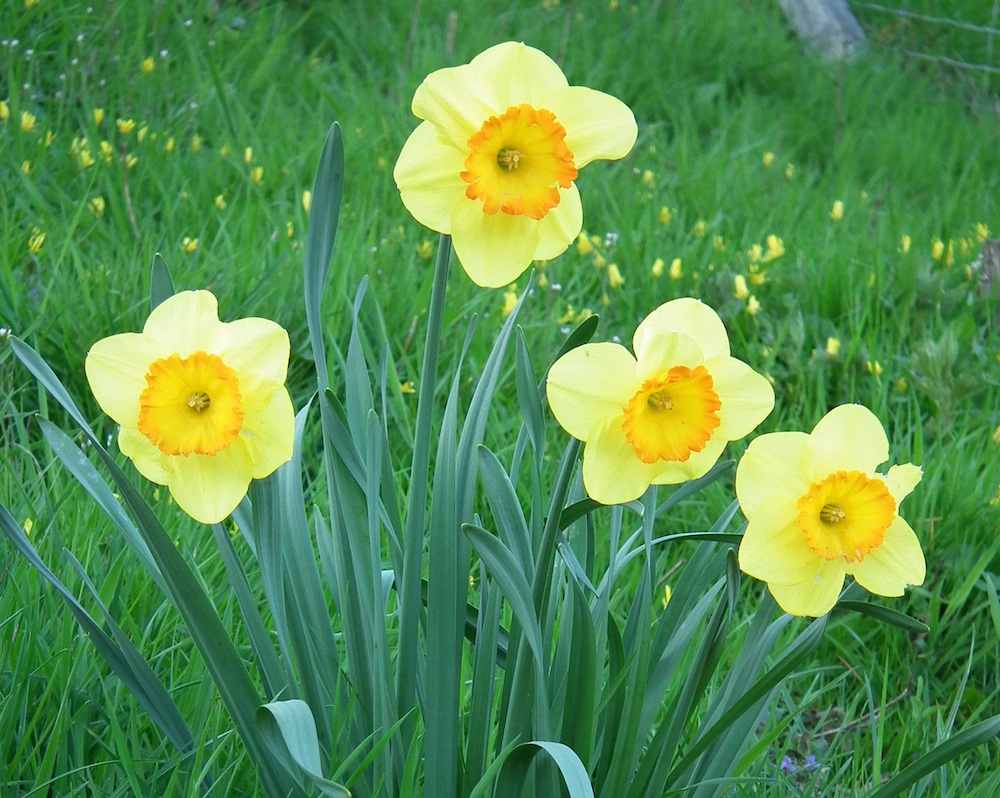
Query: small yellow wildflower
[[583, 244], [27, 121], [407, 386], [757, 275], [542, 281], [664, 215], [937, 248], [195, 143], [657, 269], [125, 126], [752, 305], [147, 64], [832, 346], [583, 314], [996, 435], [775, 248], [248, 155], [220, 202], [568, 316], [755, 253], [84, 158], [49, 138], [4, 111], [982, 231], [98, 114], [425, 249], [768, 158], [615, 279], [35, 240], [257, 175], [143, 132], [901, 385], [648, 178], [718, 243], [904, 243], [307, 198], [740, 290], [666, 596], [509, 300], [106, 151], [169, 146], [873, 367], [131, 160], [26, 167], [699, 228], [675, 269], [96, 206], [289, 229], [599, 260], [949, 254], [789, 171], [189, 245], [837, 211], [27, 526]]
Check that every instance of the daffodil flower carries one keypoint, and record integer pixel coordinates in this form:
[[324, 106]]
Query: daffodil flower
[[663, 416], [493, 162], [201, 403], [818, 510]]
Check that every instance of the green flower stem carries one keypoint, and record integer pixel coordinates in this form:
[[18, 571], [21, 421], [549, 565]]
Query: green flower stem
[[413, 534]]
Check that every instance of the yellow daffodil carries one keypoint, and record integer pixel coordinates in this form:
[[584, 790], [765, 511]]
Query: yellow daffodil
[[201, 403], [493, 162], [818, 510], [663, 416]]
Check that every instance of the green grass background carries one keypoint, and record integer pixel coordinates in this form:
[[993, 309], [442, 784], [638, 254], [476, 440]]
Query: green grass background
[[911, 148]]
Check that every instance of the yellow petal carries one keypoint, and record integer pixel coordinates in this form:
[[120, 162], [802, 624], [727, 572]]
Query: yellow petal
[[456, 101], [662, 350], [848, 438], [773, 549], [815, 597], [116, 370], [612, 473], [597, 124], [257, 350], [208, 487], [689, 317], [517, 73], [494, 249], [147, 459], [697, 465], [427, 174], [269, 433], [747, 397], [589, 385], [771, 471], [887, 569], [184, 322], [560, 226], [901, 480]]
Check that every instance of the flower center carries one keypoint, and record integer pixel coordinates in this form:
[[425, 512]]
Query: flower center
[[191, 405], [672, 417], [845, 515], [518, 161]]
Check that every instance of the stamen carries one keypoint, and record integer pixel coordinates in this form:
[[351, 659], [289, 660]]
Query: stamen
[[832, 514], [509, 158], [199, 401], [660, 400]]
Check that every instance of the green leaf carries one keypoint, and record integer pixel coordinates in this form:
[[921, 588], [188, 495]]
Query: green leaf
[[161, 286], [582, 334], [515, 769], [293, 722], [504, 569], [324, 211], [949, 750], [885, 614]]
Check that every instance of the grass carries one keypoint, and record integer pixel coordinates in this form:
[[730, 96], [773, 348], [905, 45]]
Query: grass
[[909, 150]]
